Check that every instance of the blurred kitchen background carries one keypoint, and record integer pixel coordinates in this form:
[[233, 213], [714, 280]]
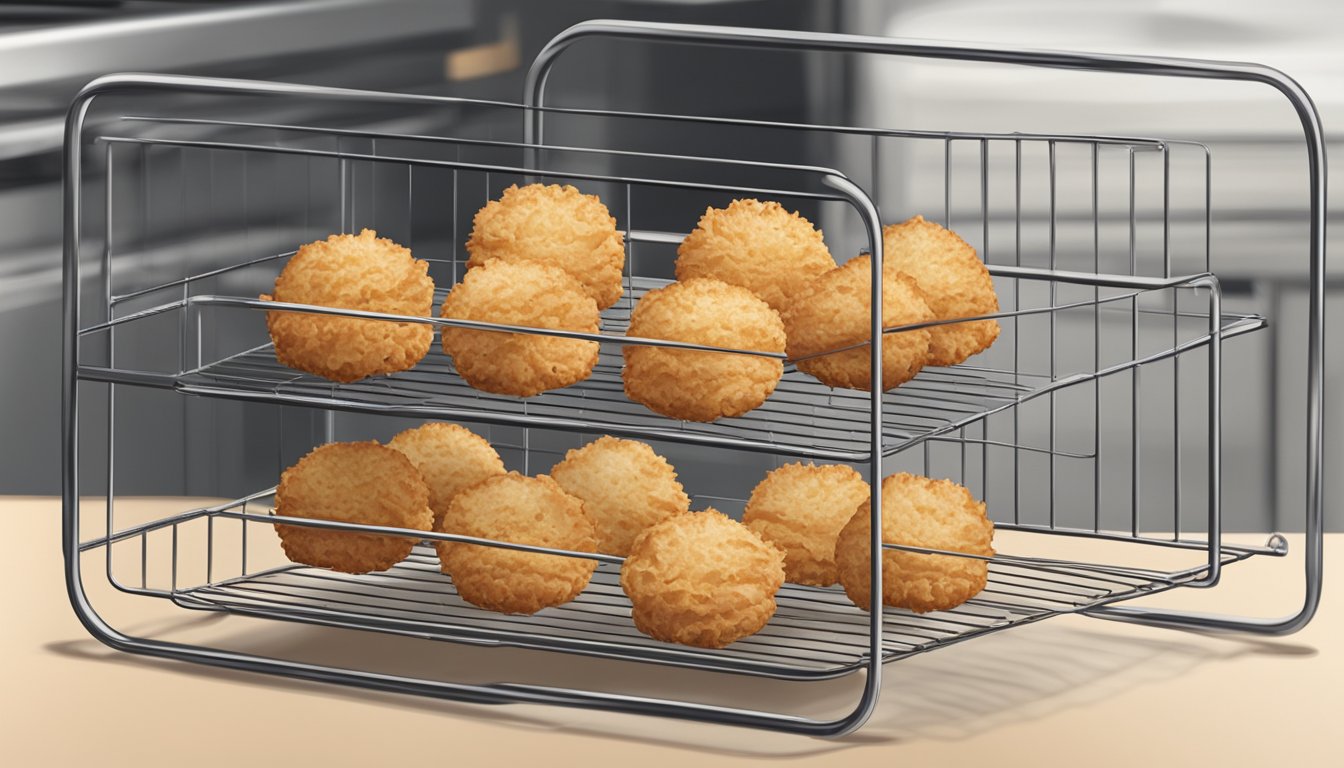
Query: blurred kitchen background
[[481, 49]]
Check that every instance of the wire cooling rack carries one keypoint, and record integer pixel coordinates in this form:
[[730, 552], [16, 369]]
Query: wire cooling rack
[[136, 319], [803, 418], [815, 633]]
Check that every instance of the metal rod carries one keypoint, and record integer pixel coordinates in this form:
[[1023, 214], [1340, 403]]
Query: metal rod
[[1053, 315], [110, 522], [1141, 143], [821, 173], [1096, 345], [1134, 380], [1176, 475], [388, 530], [984, 256], [1017, 326]]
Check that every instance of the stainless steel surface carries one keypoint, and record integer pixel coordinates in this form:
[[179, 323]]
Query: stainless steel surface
[[107, 344]]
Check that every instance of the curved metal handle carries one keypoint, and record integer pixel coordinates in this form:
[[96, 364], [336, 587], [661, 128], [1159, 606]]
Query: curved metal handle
[[534, 94]]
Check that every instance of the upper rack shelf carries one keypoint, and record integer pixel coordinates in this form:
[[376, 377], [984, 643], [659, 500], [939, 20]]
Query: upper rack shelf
[[803, 418]]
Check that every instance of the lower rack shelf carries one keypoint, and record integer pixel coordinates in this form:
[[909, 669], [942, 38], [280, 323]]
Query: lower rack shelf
[[815, 634]]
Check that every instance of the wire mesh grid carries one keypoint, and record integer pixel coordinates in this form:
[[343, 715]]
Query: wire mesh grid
[[815, 632], [802, 418]]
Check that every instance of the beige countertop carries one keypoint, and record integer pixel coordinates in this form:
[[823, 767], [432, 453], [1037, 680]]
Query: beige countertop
[[1068, 691]]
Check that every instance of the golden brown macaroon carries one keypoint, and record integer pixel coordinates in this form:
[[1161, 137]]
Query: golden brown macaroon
[[553, 225], [695, 385], [800, 508], [527, 294], [833, 312], [760, 246], [351, 483], [918, 512], [625, 487], [363, 272], [955, 284], [451, 458], [701, 579], [521, 510]]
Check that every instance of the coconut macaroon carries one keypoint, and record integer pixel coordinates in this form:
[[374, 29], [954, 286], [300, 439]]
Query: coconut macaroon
[[697, 385], [918, 512], [521, 510], [451, 458], [800, 508], [955, 284], [363, 483], [625, 487], [363, 272], [701, 579], [553, 225], [758, 245], [527, 294], [834, 312]]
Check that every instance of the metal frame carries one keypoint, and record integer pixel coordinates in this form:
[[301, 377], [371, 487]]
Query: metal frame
[[534, 95], [845, 190]]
